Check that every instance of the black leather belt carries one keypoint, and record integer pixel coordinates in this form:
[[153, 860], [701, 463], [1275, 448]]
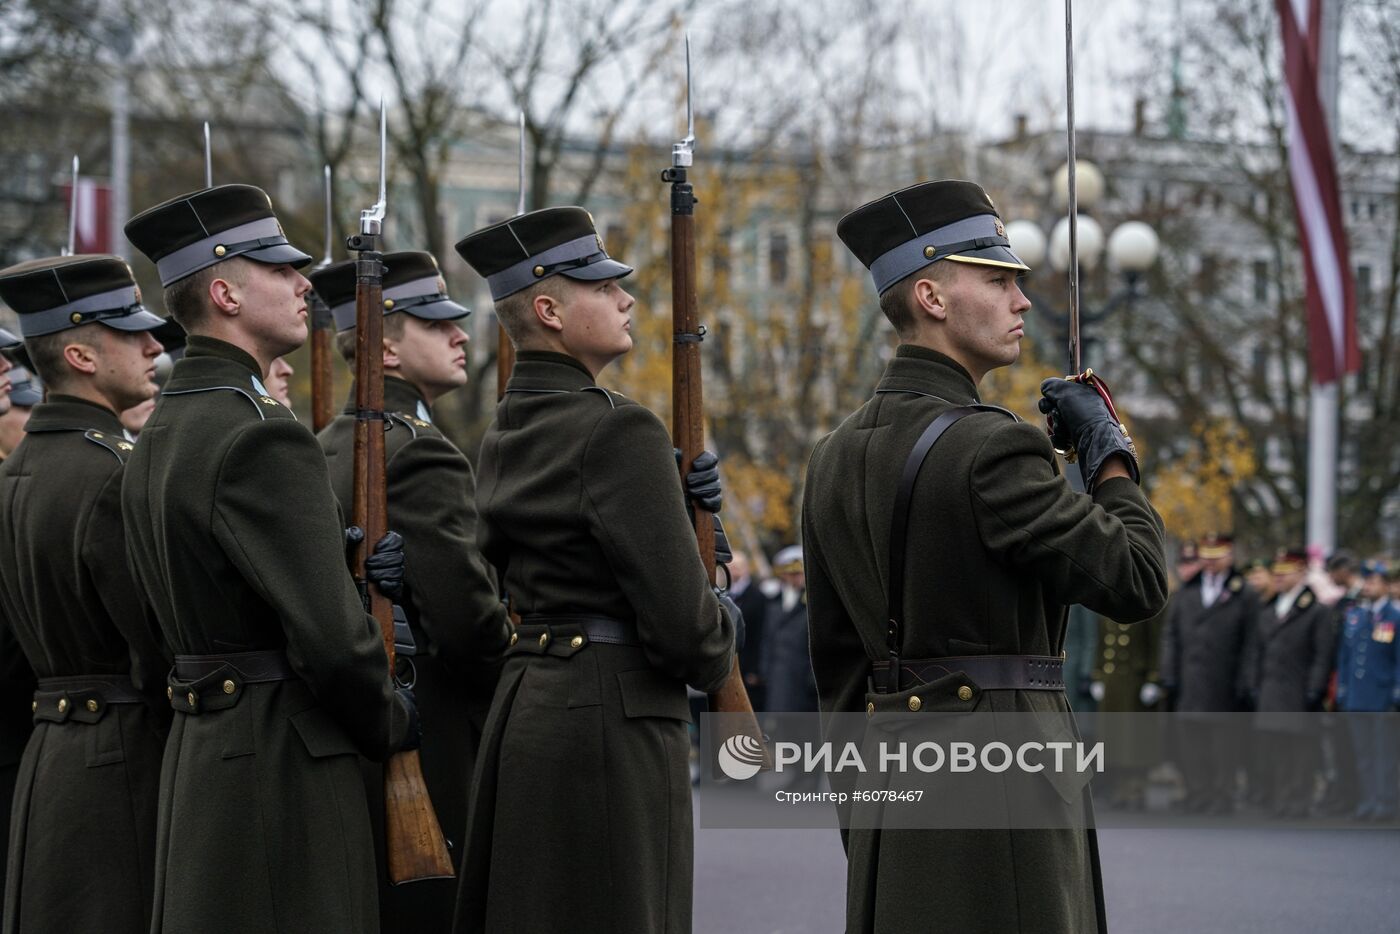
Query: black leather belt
[[82, 698], [566, 634], [988, 672], [200, 683]]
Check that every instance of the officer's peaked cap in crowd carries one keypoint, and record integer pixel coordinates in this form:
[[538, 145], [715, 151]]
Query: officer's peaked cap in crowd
[[519, 252], [1217, 545], [197, 230], [1290, 560], [901, 233], [413, 283], [60, 292]]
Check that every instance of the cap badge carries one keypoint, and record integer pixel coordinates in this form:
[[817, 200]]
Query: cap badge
[[600, 242], [999, 226]]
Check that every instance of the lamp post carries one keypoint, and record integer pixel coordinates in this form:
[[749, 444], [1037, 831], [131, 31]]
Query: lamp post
[[1131, 249]]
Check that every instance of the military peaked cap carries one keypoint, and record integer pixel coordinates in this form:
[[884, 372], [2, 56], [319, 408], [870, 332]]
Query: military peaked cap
[[197, 230], [519, 252], [1217, 545], [60, 292], [412, 283], [901, 233], [1288, 560], [25, 388]]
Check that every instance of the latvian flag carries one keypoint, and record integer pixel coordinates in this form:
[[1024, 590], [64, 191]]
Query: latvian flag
[[1330, 294], [92, 220]]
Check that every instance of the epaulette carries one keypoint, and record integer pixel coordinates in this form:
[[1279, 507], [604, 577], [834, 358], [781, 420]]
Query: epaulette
[[1236, 583], [413, 423], [607, 394], [1305, 599], [114, 443]]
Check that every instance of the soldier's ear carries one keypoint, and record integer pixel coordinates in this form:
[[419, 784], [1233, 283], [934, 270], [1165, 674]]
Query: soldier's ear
[[223, 296], [82, 357], [928, 298], [546, 309], [391, 354]]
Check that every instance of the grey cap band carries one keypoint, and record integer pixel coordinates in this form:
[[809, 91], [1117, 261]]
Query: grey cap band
[[979, 239], [261, 240], [8, 341], [524, 273], [119, 308], [437, 307]]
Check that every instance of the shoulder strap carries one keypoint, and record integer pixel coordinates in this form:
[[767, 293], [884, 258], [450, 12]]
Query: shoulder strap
[[117, 444], [255, 400], [899, 526]]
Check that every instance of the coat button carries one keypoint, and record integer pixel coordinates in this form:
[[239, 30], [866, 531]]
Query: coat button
[[1122, 640], [169, 693], [1109, 653], [514, 638], [576, 642], [34, 706], [915, 703], [870, 709], [544, 639], [63, 705], [92, 706], [964, 693], [1108, 668], [191, 698], [229, 686]]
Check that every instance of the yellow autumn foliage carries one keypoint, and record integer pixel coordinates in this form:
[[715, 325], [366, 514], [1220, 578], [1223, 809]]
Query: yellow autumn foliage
[[1194, 492]]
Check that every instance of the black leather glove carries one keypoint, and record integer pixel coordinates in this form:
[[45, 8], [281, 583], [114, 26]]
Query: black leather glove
[[702, 486], [723, 553], [413, 736], [385, 567], [736, 616], [1081, 420]]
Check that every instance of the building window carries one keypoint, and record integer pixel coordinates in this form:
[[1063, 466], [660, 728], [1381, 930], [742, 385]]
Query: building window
[[777, 258], [1261, 281], [1207, 277], [1363, 286]]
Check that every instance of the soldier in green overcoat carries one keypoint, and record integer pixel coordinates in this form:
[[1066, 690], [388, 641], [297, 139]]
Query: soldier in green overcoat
[[16, 677], [88, 780], [998, 546], [281, 679], [580, 818], [458, 622]]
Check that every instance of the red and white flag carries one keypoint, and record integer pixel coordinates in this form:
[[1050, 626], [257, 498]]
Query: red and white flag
[[92, 222], [1331, 298]]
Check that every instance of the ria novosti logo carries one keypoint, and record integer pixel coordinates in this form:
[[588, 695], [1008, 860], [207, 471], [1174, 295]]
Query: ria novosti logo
[[741, 757]]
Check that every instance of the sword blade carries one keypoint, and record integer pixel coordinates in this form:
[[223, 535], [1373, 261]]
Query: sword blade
[[73, 212], [208, 159], [1074, 356]]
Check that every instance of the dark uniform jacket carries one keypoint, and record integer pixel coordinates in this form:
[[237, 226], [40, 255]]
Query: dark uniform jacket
[[999, 545], [582, 783], [16, 724], [237, 542], [458, 621], [1203, 646], [1128, 658], [1290, 659], [1368, 657], [86, 792], [787, 661]]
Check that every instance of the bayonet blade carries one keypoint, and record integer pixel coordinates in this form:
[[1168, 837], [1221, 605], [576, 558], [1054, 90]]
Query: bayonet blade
[[73, 212], [520, 201], [683, 152], [330, 225], [372, 220], [208, 159]]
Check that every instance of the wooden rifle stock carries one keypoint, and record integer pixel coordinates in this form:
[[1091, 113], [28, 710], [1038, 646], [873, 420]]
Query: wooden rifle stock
[[688, 418], [413, 839], [322, 378]]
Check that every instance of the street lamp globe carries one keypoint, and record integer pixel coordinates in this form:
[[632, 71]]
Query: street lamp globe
[[1088, 185], [1090, 244], [1133, 247], [1027, 242]]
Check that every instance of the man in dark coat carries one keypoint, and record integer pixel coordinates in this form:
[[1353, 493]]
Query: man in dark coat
[[90, 773], [999, 544], [582, 782], [787, 661], [459, 624], [1203, 670], [280, 675], [1289, 657], [747, 593], [16, 677]]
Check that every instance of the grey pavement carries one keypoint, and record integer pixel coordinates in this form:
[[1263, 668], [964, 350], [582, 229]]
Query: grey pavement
[[1179, 881]]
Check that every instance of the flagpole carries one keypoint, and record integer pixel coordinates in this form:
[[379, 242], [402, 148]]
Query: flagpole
[[1324, 406]]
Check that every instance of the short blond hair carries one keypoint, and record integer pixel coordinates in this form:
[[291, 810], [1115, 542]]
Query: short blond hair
[[393, 329]]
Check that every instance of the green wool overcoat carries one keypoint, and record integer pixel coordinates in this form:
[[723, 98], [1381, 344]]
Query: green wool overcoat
[[237, 542], [459, 624], [998, 547], [86, 791], [580, 818]]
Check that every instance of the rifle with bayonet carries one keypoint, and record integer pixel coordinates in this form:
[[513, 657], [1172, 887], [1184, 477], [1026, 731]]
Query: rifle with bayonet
[[322, 330], [687, 391], [415, 848], [505, 350]]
